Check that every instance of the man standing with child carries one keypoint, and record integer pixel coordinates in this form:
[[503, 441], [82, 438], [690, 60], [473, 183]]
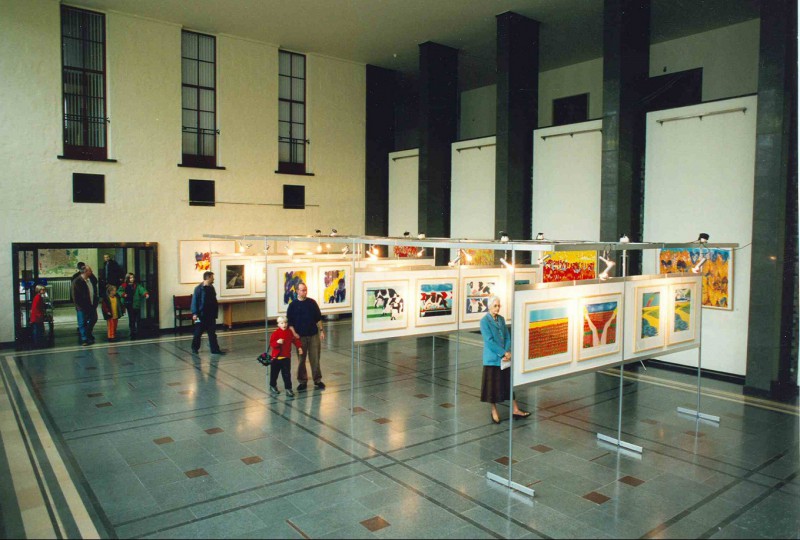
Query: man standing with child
[[305, 322]]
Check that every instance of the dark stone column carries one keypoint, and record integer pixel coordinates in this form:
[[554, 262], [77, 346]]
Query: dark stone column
[[438, 126], [626, 59], [517, 117], [381, 84], [772, 276]]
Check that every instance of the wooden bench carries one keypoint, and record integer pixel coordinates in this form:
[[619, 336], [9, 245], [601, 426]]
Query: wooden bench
[[182, 306]]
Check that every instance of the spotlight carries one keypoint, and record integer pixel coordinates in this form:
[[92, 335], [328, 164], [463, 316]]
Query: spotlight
[[466, 255], [334, 232], [699, 266], [541, 260], [317, 231], [345, 250], [421, 252], [376, 250], [406, 234], [503, 236], [703, 238], [289, 250], [540, 236], [609, 265], [421, 236], [319, 248], [455, 261], [624, 239], [507, 264]]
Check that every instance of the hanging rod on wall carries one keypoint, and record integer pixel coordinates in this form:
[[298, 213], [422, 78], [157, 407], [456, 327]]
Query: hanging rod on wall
[[700, 116], [404, 157], [478, 146], [246, 203], [571, 133]]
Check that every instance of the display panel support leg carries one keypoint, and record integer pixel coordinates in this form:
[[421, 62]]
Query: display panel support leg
[[509, 484], [618, 441], [696, 412]]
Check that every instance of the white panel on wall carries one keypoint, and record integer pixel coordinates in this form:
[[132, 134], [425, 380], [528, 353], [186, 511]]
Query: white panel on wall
[[478, 112], [566, 181], [699, 178], [582, 78], [472, 188], [403, 192]]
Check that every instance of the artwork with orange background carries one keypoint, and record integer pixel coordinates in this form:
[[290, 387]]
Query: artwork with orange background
[[717, 271], [480, 257], [403, 252], [569, 266]]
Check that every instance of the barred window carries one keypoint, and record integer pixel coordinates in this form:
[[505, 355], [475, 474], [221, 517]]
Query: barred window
[[83, 63], [199, 99], [292, 139]]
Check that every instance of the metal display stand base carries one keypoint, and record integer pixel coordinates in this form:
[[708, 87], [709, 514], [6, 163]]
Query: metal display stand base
[[513, 485], [696, 414], [621, 444]]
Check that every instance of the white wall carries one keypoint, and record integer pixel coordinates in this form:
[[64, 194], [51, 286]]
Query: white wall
[[146, 192], [472, 197], [403, 192], [699, 178], [728, 56], [566, 182]]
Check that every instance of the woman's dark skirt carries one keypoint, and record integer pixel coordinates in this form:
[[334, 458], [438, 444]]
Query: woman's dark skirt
[[495, 384]]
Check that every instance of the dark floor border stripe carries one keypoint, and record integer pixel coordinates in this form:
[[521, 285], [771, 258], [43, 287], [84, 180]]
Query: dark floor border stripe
[[11, 524]]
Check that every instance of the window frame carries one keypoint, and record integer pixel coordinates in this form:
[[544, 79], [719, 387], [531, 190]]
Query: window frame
[[293, 167], [84, 151], [198, 160]]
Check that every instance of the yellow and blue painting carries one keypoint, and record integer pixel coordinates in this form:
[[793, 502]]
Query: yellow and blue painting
[[651, 315]]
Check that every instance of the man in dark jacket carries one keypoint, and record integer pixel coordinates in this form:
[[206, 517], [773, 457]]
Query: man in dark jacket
[[204, 314], [85, 297], [113, 274]]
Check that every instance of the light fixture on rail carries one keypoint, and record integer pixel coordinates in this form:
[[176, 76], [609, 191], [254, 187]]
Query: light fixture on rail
[[508, 265], [540, 236], [466, 255], [699, 266], [406, 234], [289, 250], [702, 238], [609, 265], [421, 252], [317, 232], [345, 250], [541, 260], [624, 239], [503, 236], [334, 232]]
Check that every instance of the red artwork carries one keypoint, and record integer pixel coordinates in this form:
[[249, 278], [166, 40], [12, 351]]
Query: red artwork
[[402, 252], [548, 338]]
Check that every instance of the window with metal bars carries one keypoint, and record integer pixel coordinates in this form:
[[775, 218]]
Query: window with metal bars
[[199, 99], [292, 139], [83, 69]]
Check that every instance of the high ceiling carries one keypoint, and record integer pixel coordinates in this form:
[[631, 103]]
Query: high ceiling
[[387, 33]]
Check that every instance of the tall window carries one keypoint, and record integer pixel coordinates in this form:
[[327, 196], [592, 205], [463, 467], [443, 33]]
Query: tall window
[[83, 74], [292, 113], [198, 65]]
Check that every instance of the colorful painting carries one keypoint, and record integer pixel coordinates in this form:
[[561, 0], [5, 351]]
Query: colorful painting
[[477, 291], [569, 266], [480, 257], [649, 334], [717, 271], [548, 340], [683, 324], [195, 257], [385, 305], [290, 280], [333, 283], [435, 302], [403, 252], [601, 326], [235, 277], [55, 263]]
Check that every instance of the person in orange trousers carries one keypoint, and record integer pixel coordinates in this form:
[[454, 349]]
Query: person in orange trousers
[[113, 308]]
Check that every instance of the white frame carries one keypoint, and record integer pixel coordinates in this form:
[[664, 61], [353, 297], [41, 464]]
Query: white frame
[[658, 341], [690, 334], [462, 294], [186, 259], [602, 349], [259, 269], [348, 279], [280, 271], [556, 359], [246, 289], [437, 320], [401, 286]]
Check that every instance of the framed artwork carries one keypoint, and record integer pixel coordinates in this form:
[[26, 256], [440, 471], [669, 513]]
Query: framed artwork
[[476, 291], [683, 324], [259, 276], [384, 306], [548, 341], [569, 266], [403, 252], [480, 257], [601, 325], [717, 271], [195, 257], [333, 284], [289, 277], [649, 330], [235, 278], [56, 263], [436, 301]]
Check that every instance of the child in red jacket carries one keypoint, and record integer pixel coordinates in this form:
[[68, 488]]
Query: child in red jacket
[[280, 344]]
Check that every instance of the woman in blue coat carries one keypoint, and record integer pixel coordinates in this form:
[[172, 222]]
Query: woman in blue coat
[[496, 382]]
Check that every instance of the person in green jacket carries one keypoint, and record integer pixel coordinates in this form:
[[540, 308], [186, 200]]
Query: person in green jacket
[[134, 294]]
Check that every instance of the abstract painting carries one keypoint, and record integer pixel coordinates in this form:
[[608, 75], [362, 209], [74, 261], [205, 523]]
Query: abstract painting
[[684, 312], [648, 332], [569, 266], [601, 326], [477, 291], [435, 301], [195, 257], [333, 287], [717, 271], [235, 278], [385, 305], [547, 342], [289, 279]]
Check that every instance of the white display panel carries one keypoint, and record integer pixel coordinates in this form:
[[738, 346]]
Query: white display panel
[[403, 192], [472, 195], [478, 284]]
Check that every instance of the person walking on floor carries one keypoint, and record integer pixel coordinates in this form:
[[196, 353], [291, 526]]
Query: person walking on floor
[[133, 294], [85, 297], [280, 343], [205, 311], [496, 380], [305, 322], [113, 308]]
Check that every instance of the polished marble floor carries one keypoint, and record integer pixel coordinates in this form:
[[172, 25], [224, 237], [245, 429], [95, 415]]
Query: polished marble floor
[[143, 440]]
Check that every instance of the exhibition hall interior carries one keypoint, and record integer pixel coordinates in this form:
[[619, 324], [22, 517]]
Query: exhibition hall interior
[[399, 269]]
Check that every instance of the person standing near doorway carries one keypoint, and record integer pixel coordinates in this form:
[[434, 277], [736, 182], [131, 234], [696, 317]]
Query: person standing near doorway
[[305, 322], [134, 294], [205, 311], [112, 272], [85, 297], [38, 315]]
